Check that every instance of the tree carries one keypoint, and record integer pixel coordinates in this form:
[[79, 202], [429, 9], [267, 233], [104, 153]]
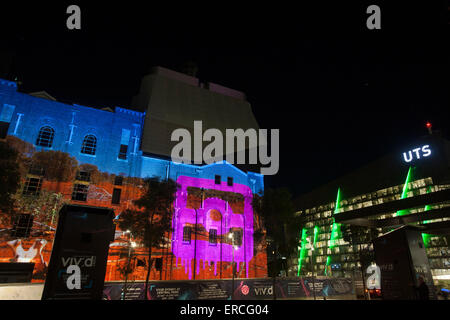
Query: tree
[[9, 177], [152, 219], [356, 236], [44, 207], [276, 210], [127, 268], [58, 166]]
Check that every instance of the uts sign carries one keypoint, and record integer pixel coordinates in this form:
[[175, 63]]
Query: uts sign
[[417, 153]]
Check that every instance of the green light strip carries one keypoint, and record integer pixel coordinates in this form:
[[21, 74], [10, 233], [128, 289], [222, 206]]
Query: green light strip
[[316, 235], [425, 236], [302, 252], [405, 192], [335, 229]]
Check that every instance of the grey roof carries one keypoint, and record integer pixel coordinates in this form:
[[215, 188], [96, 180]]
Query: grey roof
[[173, 100]]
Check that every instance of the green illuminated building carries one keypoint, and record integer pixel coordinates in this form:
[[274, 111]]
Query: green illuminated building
[[381, 185]]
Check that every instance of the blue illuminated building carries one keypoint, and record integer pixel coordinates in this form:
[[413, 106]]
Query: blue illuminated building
[[108, 139]]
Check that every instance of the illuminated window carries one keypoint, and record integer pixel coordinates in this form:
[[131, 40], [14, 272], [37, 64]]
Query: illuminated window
[[32, 186], [187, 234], [89, 144], [80, 192], [237, 237], [45, 137], [213, 237]]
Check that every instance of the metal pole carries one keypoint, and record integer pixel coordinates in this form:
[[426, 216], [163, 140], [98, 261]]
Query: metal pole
[[127, 267], [195, 243], [232, 281], [312, 270]]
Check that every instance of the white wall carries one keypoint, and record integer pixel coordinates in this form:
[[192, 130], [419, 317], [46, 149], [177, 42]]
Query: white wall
[[21, 291]]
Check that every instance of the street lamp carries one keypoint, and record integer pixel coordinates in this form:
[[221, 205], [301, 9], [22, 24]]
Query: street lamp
[[131, 244]]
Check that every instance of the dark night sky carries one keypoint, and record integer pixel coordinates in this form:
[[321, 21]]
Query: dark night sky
[[340, 94]]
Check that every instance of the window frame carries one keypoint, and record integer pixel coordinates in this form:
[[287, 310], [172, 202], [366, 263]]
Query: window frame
[[185, 238], [91, 148], [49, 138]]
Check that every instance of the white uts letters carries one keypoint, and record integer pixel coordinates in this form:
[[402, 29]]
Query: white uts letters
[[417, 152], [374, 21], [74, 21], [74, 280]]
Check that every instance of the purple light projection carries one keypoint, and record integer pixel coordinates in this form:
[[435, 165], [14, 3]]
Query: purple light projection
[[207, 216]]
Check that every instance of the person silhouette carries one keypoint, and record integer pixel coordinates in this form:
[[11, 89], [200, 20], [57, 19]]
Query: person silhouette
[[422, 289]]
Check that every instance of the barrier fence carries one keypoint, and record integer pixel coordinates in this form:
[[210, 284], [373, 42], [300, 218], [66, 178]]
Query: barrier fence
[[244, 289]]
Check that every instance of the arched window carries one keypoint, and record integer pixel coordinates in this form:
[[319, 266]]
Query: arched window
[[45, 137], [89, 144]]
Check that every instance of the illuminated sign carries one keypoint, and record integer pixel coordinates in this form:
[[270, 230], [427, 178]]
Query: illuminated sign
[[417, 153], [373, 281]]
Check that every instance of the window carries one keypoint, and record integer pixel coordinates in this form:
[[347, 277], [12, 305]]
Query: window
[[123, 152], [118, 180], [230, 181], [4, 127], [32, 186], [213, 237], [89, 144], [217, 179], [22, 224], [83, 176], [158, 264], [187, 234], [45, 137], [80, 192], [7, 113], [237, 237], [116, 196]]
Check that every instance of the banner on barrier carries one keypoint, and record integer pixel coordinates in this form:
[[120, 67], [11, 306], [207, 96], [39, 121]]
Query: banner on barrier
[[244, 289]]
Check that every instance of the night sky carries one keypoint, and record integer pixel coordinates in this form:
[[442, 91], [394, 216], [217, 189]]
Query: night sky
[[340, 94]]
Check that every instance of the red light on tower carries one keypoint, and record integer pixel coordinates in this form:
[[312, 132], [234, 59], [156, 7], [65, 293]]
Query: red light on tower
[[429, 127]]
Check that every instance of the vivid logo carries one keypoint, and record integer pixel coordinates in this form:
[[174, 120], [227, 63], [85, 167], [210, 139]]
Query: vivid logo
[[417, 153]]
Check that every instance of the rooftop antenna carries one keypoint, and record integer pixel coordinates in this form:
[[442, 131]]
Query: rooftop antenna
[[429, 126]]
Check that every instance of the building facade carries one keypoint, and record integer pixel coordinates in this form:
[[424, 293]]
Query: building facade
[[213, 202], [421, 168]]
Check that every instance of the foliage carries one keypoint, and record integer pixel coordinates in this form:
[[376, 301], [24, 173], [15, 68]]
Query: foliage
[[153, 218], [59, 166], [25, 149], [277, 212], [9, 176], [44, 207]]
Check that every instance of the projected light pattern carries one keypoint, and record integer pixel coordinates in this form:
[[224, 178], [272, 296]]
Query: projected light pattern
[[405, 192], [335, 229], [302, 250], [425, 236], [207, 218]]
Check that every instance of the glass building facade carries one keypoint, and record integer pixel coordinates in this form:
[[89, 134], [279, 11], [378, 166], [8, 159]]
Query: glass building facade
[[322, 247]]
